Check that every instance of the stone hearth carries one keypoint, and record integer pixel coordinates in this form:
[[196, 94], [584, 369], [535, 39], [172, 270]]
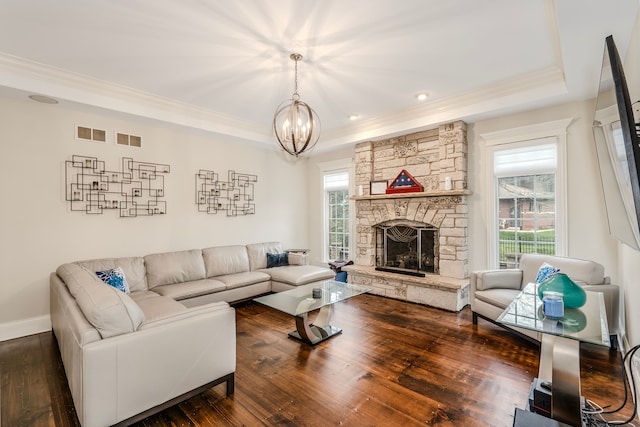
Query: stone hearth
[[438, 160]]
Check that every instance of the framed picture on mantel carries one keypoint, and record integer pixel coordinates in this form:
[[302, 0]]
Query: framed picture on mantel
[[378, 187]]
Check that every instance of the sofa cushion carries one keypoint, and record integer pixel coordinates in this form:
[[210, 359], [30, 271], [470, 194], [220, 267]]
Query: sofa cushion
[[296, 275], [498, 297], [258, 253], [238, 280], [174, 267], [194, 288], [133, 268], [183, 315], [114, 277], [578, 270], [110, 311], [222, 260], [156, 306]]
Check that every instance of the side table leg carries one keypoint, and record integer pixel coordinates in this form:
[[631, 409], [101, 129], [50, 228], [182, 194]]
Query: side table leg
[[560, 364], [565, 400], [545, 367]]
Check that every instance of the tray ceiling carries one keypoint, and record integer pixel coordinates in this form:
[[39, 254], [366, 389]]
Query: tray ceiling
[[223, 66]]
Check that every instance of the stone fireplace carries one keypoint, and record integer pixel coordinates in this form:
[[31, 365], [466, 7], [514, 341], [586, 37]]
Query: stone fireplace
[[413, 246]]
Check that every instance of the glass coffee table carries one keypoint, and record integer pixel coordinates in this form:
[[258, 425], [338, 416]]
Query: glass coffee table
[[300, 301]]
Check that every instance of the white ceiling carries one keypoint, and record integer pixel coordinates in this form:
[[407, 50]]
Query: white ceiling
[[223, 66]]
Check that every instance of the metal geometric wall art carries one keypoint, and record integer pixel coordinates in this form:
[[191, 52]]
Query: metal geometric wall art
[[136, 190], [234, 196]]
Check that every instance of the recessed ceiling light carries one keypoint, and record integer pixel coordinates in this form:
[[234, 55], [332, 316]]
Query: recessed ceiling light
[[43, 99], [422, 96], [353, 117]]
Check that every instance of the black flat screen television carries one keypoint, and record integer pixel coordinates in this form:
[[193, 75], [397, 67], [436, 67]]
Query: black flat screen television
[[618, 149]]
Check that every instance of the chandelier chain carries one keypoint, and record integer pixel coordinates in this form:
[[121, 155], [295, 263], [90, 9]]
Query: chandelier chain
[[296, 58]]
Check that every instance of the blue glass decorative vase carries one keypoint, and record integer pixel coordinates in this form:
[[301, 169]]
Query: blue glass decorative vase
[[573, 295]]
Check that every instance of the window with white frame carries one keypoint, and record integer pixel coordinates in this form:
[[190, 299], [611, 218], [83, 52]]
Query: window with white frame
[[527, 187], [337, 224], [525, 180]]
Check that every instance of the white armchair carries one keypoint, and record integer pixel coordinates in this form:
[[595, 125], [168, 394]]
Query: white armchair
[[493, 290]]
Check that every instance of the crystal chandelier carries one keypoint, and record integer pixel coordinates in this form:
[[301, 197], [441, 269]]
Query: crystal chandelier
[[296, 125]]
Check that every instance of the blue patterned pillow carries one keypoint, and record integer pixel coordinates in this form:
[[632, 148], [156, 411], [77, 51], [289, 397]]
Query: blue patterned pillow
[[546, 271], [114, 277], [277, 260]]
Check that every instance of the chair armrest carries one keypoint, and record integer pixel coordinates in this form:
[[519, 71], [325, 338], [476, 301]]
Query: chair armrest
[[496, 279], [611, 295]]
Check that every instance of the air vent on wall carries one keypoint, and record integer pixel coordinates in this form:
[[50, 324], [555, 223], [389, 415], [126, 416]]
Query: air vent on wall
[[132, 140], [90, 134]]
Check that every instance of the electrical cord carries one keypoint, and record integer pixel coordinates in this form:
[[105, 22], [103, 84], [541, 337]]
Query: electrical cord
[[592, 408], [624, 379], [594, 412], [630, 353]]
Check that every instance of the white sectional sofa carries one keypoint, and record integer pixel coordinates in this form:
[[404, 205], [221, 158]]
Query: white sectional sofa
[[128, 355]]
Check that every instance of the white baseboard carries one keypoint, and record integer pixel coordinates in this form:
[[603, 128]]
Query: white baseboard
[[22, 328]]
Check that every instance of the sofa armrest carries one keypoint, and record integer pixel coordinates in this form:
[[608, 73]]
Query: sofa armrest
[[130, 373], [496, 279]]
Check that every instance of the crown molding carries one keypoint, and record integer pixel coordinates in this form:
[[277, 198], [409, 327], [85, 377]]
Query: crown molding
[[524, 133], [523, 89], [34, 77], [31, 76]]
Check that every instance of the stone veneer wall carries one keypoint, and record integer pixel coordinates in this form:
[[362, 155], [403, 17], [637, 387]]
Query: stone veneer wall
[[431, 157]]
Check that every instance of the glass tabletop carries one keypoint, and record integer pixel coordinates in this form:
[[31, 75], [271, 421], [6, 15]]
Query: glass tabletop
[[587, 323], [299, 300]]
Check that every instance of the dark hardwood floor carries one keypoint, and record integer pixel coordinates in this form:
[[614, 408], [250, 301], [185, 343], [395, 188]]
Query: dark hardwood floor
[[396, 363]]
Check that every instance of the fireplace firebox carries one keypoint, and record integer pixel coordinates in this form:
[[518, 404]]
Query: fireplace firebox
[[407, 248]]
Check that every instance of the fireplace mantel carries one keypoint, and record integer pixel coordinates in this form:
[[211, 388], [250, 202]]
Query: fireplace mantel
[[414, 195]]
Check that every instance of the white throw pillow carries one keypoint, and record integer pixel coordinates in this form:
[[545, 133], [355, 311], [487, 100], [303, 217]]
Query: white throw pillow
[[297, 258]]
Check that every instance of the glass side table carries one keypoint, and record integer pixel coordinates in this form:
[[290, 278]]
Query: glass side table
[[560, 346]]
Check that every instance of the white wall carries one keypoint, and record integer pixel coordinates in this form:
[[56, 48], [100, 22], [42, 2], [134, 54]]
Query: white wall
[[38, 231]]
